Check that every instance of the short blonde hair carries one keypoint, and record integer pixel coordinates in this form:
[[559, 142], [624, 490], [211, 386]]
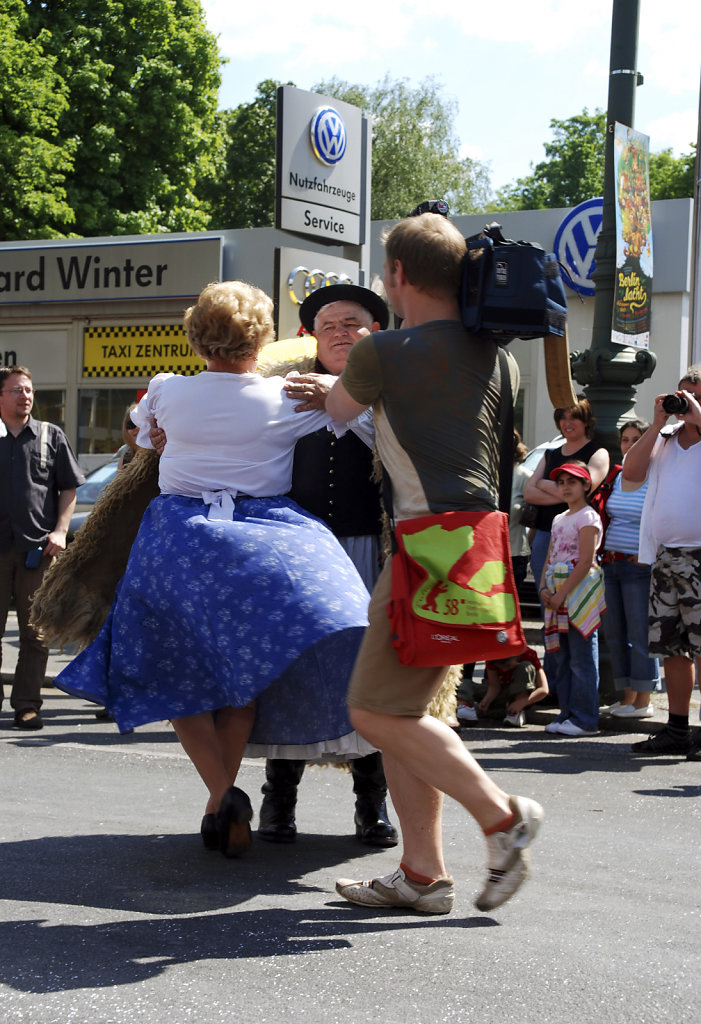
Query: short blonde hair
[[431, 251], [232, 320]]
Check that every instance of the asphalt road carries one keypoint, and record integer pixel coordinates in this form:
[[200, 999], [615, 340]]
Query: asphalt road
[[113, 912]]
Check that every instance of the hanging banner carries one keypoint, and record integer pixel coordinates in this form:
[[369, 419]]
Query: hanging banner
[[633, 292]]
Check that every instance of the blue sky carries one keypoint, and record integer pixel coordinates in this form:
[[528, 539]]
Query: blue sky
[[511, 65]]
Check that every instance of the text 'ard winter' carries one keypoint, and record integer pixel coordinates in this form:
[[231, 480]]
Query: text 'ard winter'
[[79, 273]]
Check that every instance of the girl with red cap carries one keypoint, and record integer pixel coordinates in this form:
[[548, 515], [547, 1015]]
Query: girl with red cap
[[572, 592]]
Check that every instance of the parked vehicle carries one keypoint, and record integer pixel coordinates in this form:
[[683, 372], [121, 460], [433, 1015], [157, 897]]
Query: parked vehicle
[[87, 494]]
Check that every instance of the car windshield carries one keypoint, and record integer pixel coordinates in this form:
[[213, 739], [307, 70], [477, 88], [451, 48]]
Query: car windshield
[[95, 482]]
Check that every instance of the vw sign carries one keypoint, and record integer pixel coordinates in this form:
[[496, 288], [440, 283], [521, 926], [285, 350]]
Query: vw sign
[[575, 243], [328, 136]]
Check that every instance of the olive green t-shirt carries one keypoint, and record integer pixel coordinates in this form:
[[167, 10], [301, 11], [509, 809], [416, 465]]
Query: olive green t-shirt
[[435, 391]]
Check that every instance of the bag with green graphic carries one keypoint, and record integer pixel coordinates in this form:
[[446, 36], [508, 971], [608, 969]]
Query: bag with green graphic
[[453, 593]]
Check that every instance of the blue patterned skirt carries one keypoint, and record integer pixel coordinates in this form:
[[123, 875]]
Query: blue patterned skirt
[[210, 613]]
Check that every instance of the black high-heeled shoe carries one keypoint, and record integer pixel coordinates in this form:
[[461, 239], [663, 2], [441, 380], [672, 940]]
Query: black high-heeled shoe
[[233, 822], [210, 832]]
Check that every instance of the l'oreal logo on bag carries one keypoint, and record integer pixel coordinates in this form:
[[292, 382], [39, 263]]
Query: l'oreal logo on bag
[[444, 638]]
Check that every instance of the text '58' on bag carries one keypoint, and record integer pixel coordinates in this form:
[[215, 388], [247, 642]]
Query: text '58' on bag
[[453, 593]]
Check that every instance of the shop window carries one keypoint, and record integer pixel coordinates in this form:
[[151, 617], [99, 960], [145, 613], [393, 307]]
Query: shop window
[[51, 406], [100, 415]]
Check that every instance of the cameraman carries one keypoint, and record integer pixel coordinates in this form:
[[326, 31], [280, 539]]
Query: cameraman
[[670, 540]]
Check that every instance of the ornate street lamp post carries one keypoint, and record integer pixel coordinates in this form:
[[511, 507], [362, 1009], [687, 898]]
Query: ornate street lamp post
[[610, 372]]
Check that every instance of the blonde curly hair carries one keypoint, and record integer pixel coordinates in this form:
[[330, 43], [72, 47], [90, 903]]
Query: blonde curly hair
[[232, 320]]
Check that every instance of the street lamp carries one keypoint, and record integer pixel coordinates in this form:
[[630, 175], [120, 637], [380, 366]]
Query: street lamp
[[608, 371]]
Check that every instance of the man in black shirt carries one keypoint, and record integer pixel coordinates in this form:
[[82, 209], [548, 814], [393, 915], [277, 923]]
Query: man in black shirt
[[332, 479], [39, 475]]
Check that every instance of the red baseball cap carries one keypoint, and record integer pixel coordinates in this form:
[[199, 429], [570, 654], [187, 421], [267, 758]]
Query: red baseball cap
[[573, 469]]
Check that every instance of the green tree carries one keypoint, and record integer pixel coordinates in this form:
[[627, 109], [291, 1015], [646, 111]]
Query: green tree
[[572, 172], [415, 151], [574, 169], [142, 78], [242, 195], [33, 164], [672, 177]]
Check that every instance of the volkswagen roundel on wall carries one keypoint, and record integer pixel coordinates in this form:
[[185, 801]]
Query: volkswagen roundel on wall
[[575, 244], [328, 136]]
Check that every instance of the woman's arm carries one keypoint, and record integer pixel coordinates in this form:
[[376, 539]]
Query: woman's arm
[[538, 490], [598, 467]]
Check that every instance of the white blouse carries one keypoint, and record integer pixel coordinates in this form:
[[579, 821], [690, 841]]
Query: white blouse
[[230, 432]]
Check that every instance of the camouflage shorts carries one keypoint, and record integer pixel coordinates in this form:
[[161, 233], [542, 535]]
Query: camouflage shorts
[[675, 603]]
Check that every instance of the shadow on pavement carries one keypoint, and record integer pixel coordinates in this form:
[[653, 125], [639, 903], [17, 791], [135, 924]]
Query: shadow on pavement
[[189, 891]]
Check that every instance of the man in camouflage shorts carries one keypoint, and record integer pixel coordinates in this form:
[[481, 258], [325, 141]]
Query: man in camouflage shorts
[[670, 540]]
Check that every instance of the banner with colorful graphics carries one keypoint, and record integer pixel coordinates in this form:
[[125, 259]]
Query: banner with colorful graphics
[[633, 291]]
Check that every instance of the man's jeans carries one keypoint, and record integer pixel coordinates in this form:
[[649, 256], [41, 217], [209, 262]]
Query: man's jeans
[[21, 583]]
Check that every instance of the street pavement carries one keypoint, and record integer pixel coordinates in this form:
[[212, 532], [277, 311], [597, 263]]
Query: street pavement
[[114, 913]]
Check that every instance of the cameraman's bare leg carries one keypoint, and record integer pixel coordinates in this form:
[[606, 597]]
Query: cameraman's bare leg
[[424, 758]]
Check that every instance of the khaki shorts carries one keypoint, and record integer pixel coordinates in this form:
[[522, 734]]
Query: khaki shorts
[[379, 683]]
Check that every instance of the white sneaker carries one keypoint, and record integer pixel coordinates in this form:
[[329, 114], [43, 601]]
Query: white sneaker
[[466, 713], [630, 711], [396, 890], [553, 727], [508, 856], [611, 709], [568, 728], [518, 720]]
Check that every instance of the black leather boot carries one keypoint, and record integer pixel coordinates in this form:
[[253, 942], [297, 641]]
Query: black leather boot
[[276, 822], [372, 826]]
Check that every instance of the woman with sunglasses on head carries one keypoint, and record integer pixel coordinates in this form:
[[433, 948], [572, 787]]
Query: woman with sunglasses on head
[[130, 432]]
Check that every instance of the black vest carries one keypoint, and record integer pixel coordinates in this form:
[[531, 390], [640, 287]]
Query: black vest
[[331, 479]]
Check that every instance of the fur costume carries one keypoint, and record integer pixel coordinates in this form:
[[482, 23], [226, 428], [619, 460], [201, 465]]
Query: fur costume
[[76, 594]]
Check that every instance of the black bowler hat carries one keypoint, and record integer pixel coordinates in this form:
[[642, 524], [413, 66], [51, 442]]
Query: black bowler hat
[[376, 306]]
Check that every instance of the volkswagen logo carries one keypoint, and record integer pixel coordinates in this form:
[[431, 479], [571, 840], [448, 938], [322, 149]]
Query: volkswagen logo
[[301, 282], [575, 243], [328, 136]]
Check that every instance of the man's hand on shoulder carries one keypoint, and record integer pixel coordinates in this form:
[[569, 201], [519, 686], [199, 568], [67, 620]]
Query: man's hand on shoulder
[[310, 389]]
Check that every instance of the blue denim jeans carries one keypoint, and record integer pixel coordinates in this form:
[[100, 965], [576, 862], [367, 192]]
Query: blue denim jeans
[[577, 679], [625, 625]]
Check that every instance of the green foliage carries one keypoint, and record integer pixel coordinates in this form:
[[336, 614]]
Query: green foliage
[[574, 170], [415, 151], [242, 195], [572, 173], [33, 164], [138, 83], [672, 177]]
